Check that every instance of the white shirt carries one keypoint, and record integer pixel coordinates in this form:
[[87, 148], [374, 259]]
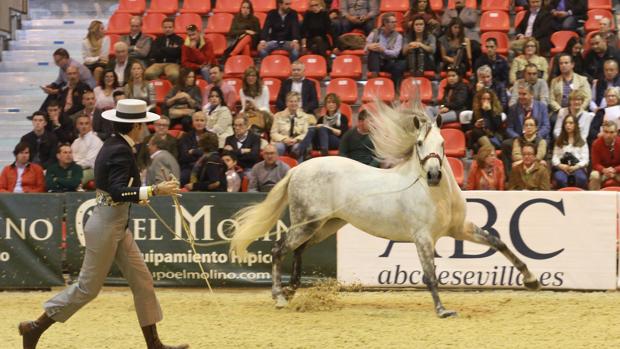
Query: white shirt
[[85, 149], [20, 173], [530, 23], [103, 102], [119, 69], [261, 101], [296, 86], [585, 119]]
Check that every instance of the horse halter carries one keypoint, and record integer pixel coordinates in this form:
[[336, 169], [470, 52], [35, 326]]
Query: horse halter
[[429, 156]]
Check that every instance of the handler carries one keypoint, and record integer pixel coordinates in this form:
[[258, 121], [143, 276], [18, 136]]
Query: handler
[[107, 236]]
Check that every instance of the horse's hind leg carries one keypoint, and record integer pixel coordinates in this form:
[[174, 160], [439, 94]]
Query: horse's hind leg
[[426, 253], [473, 233]]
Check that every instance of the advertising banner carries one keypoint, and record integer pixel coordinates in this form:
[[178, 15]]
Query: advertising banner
[[30, 237], [567, 239], [170, 257]]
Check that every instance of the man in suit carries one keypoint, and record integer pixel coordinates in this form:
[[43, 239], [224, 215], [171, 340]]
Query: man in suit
[[121, 63], [537, 23], [162, 165], [166, 54], [107, 238], [305, 87], [244, 144]]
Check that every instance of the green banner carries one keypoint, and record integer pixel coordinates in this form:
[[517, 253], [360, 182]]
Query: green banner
[[30, 237], [172, 260]]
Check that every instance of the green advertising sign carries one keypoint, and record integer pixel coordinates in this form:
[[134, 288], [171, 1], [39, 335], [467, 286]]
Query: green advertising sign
[[172, 260], [30, 237]]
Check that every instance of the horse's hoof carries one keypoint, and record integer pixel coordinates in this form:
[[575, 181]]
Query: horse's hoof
[[532, 284], [281, 302], [446, 313], [288, 292]]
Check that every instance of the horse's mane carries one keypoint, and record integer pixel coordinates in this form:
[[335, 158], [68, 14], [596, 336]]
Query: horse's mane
[[393, 132]]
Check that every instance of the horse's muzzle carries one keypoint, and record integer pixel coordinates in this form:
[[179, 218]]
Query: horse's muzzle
[[433, 177]]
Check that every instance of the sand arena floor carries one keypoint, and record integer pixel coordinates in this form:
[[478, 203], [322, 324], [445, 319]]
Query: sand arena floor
[[320, 318]]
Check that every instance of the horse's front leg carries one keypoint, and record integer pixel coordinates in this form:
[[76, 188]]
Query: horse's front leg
[[426, 254]]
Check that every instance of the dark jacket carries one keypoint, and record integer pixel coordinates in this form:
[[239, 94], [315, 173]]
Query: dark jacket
[[541, 30], [112, 64], [76, 96], [458, 100], [247, 160], [101, 126], [309, 99], [276, 29], [316, 24], [60, 180], [65, 132], [187, 142], [594, 63], [116, 168], [208, 170], [577, 7], [167, 49], [43, 151]]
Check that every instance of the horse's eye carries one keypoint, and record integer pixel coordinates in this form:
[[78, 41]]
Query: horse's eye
[[419, 143]]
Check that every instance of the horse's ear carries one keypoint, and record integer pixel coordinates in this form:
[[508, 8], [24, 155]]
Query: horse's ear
[[438, 120], [416, 122]]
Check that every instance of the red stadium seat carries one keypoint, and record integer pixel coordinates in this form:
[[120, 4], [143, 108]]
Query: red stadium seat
[[220, 23], [161, 89], [502, 42], [113, 40], [454, 142], [519, 17], [612, 188], [491, 5], [168, 7], [151, 23], [468, 3], [458, 169], [135, 7], [345, 88], [235, 66], [273, 85], [244, 184], [560, 38], [275, 66], [119, 23], [494, 21], [599, 5], [315, 66], [570, 189], [414, 85], [176, 133], [289, 161], [184, 19], [347, 66], [202, 85], [440, 89], [236, 84], [263, 5], [394, 6], [594, 16], [301, 6], [262, 16], [227, 6], [218, 41], [436, 5], [317, 86], [200, 7], [378, 88]]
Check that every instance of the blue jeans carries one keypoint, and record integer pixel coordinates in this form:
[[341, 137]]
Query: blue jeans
[[562, 178], [295, 151], [279, 45], [322, 138]]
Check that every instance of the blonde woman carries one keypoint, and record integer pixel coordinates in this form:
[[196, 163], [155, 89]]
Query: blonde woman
[[530, 55], [137, 87], [96, 49]]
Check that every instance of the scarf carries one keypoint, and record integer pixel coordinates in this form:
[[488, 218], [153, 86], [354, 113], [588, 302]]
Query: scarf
[[332, 121]]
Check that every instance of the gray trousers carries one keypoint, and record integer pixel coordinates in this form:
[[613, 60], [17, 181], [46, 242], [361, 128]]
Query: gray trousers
[[108, 240]]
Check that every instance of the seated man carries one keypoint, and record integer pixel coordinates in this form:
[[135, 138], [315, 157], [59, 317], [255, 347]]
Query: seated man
[[611, 78], [165, 53], [281, 31], [567, 13], [64, 175], [170, 143], [290, 127], [268, 172], [138, 44], [62, 127], [607, 32], [121, 62], [486, 79], [567, 81], [605, 157], [538, 86], [530, 174], [498, 64], [244, 144], [162, 163], [356, 143], [70, 96], [197, 52], [383, 47], [22, 176], [597, 55], [358, 14], [63, 61], [537, 24], [86, 147], [41, 142], [297, 82]]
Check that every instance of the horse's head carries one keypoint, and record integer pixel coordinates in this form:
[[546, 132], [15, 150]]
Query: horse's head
[[429, 147]]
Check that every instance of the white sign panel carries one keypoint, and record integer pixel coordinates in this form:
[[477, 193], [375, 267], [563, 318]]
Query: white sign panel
[[567, 238]]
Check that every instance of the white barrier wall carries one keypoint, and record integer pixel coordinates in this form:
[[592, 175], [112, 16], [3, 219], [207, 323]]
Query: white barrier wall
[[567, 238]]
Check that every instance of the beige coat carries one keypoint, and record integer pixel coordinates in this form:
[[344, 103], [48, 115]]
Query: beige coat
[[580, 82], [282, 125], [220, 123]]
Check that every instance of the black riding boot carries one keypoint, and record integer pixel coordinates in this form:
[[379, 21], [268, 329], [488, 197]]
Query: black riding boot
[[153, 342], [31, 331]]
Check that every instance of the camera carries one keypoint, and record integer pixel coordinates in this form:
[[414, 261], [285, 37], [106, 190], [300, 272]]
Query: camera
[[569, 159]]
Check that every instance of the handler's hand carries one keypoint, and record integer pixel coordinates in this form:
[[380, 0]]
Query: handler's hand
[[167, 188]]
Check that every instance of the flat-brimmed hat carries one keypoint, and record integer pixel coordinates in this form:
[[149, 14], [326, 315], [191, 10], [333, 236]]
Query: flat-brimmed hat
[[130, 111]]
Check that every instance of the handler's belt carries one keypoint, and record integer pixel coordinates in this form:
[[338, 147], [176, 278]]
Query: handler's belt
[[104, 198]]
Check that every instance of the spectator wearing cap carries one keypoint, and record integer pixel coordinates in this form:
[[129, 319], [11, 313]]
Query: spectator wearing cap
[[41, 142], [197, 52], [22, 176], [165, 53]]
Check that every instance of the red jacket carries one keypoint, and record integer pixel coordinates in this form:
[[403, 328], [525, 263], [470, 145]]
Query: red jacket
[[602, 157], [33, 180], [193, 58], [475, 174]]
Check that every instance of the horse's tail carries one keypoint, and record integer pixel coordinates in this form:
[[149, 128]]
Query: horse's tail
[[256, 220]]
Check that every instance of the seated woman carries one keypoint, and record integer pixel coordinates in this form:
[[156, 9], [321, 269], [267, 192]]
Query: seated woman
[[574, 109], [612, 98], [184, 99], [244, 32], [454, 98], [290, 127], [209, 172], [253, 91], [487, 171], [530, 174], [570, 156], [315, 30], [530, 136], [530, 55], [487, 120], [329, 129], [137, 87], [574, 47], [422, 8], [419, 47], [218, 116], [105, 90], [96, 49], [455, 48]]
